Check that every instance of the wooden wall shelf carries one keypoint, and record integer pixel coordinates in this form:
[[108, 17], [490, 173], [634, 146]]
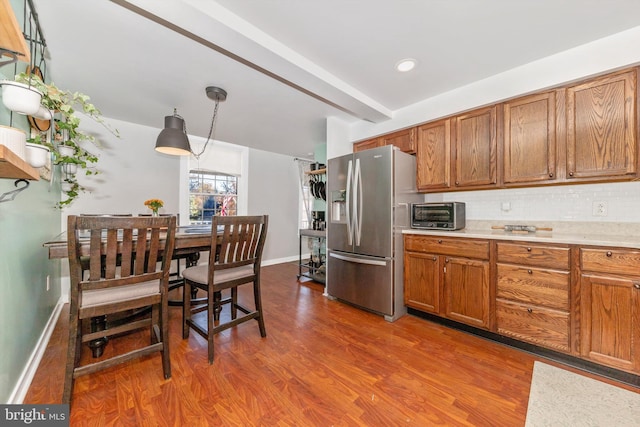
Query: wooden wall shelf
[[12, 166], [11, 38]]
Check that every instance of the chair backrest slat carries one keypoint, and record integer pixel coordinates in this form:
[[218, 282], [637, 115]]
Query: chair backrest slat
[[122, 250], [240, 242]]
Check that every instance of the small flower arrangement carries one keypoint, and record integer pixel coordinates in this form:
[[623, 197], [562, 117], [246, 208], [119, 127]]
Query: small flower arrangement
[[154, 205]]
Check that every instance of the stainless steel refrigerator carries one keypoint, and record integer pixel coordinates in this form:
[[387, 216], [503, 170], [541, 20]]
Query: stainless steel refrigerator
[[369, 195]]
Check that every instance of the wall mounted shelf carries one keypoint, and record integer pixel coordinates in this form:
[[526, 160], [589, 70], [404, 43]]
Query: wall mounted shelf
[[12, 42], [12, 166]]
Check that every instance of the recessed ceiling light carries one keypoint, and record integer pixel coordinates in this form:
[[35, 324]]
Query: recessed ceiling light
[[406, 65]]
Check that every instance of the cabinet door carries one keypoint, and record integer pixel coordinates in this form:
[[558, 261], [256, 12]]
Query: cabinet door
[[530, 139], [405, 140], [601, 127], [434, 156], [466, 291], [610, 321], [476, 149], [421, 282], [365, 145]]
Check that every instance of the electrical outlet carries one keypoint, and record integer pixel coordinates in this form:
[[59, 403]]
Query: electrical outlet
[[599, 208], [48, 282]]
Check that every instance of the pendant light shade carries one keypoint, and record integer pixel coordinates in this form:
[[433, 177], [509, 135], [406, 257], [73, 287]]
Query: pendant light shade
[[173, 139]]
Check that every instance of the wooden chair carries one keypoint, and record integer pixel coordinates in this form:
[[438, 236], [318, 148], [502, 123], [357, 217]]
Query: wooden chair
[[124, 275], [234, 259]]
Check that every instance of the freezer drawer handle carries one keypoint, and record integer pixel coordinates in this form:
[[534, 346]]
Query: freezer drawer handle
[[358, 260]]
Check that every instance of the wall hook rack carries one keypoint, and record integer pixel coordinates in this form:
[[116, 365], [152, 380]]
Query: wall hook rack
[[10, 195]]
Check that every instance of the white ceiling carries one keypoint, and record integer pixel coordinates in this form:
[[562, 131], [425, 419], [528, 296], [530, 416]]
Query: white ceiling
[[287, 65]]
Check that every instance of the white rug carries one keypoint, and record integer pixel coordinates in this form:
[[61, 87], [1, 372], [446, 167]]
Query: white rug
[[562, 398]]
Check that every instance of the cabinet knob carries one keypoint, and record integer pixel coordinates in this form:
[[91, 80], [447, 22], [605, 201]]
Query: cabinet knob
[[636, 285], [457, 182], [529, 310], [551, 175], [439, 240], [446, 260], [528, 249], [609, 254], [570, 173], [529, 271], [435, 258]]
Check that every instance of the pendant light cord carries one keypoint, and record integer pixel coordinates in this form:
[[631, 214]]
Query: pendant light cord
[[211, 130]]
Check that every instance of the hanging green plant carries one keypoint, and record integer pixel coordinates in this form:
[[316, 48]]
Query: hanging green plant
[[67, 132]]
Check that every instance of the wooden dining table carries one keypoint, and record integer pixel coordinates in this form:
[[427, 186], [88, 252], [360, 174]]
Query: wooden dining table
[[189, 239]]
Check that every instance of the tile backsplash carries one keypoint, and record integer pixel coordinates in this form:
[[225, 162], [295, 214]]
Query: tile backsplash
[[621, 203]]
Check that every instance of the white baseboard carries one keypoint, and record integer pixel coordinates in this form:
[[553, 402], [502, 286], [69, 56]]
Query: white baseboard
[[29, 371], [279, 260]]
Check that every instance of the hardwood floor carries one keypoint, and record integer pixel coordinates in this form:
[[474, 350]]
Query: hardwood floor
[[323, 363]]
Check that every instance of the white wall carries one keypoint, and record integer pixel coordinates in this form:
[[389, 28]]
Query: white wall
[[273, 190], [558, 203], [131, 172]]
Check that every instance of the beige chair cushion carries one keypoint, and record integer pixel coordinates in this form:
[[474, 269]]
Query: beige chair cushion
[[96, 297], [199, 274]]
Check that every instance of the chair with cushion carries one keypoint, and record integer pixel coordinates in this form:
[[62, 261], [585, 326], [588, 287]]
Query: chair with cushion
[[124, 274], [234, 259]]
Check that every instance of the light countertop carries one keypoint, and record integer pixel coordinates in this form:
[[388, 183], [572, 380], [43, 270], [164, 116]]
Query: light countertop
[[625, 235]]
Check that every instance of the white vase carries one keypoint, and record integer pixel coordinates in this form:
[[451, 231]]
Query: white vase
[[14, 139], [65, 150], [36, 155], [70, 168], [20, 97], [43, 113]]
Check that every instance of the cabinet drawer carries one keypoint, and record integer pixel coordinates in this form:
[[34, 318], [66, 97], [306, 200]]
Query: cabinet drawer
[[548, 288], [537, 325], [531, 254], [468, 248], [615, 261]]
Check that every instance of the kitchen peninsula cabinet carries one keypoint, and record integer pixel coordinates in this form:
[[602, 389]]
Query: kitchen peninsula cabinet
[[530, 139], [448, 277], [533, 294], [476, 149], [602, 127], [610, 307]]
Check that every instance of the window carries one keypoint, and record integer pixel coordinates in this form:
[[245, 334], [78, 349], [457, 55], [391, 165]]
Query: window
[[211, 194]]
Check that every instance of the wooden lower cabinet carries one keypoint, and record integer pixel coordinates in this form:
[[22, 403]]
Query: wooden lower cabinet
[[533, 294], [466, 291], [610, 307], [440, 280], [422, 282], [579, 300]]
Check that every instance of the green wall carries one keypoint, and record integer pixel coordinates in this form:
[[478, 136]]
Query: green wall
[[25, 224]]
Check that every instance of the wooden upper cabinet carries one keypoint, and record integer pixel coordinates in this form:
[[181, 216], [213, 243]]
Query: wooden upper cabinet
[[434, 156], [602, 128], [530, 139], [405, 140], [475, 144], [365, 145]]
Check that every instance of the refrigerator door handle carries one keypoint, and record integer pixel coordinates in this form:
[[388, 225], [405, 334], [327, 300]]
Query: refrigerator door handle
[[347, 199], [358, 260], [357, 203]]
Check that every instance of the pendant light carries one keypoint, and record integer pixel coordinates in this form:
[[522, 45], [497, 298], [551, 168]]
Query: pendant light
[[173, 138]]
